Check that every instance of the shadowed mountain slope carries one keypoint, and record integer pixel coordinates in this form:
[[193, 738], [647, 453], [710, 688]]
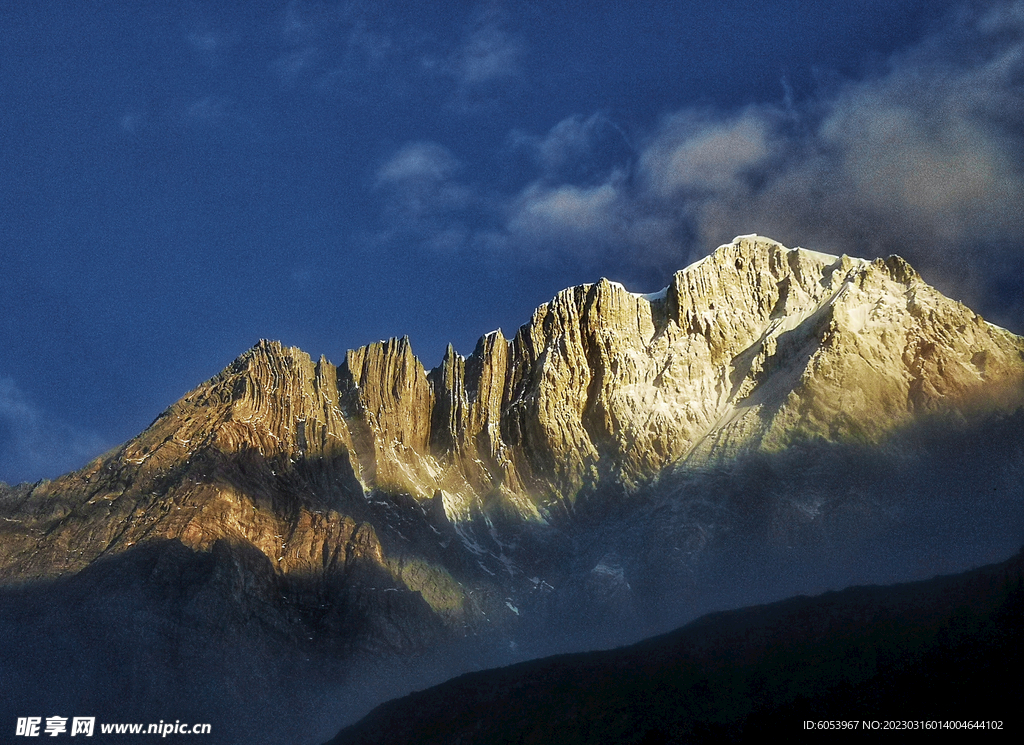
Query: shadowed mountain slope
[[774, 421], [947, 649]]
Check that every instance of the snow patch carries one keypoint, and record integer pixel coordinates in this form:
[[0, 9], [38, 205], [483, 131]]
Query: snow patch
[[652, 296], [481, 565], [821, 256], [469, 540], [697, 263]]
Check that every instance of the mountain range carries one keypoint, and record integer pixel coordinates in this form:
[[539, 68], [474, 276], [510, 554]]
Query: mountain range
[[295, 541]]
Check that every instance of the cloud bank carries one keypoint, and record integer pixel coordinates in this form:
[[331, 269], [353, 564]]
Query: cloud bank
[[924, 158]]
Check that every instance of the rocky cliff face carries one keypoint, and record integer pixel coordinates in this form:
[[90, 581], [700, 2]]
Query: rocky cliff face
[[755, 347], [546, 476]]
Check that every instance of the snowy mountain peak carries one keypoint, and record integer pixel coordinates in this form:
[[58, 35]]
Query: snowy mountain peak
[[752, 348]]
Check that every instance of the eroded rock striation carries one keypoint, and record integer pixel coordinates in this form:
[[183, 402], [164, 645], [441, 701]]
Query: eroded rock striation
[[413, 505], [753, 347]]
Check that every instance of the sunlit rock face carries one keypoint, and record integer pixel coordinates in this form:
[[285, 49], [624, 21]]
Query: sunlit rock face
[[483, 498], [753, 347]]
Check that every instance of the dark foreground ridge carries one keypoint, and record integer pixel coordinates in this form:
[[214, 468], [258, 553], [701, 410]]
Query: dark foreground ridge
[[939, 650]]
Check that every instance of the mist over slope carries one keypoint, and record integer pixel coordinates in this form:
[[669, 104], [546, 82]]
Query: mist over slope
[[294, 541], [943, 651]]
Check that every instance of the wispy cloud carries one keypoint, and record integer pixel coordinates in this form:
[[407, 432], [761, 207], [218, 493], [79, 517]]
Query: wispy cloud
[[567, 209], [695, 155], [424, 200], [35, 445], [490, 54], [924, 158], [918, 159], [290, 67], [378, 56], [418, 164], [578, 149], [487, 65]]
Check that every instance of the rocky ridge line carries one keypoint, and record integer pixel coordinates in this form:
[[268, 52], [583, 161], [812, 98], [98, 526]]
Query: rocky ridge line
[[755, 346]]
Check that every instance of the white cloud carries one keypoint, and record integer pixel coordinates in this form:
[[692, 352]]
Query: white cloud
[[34, 445], [565, 213], [568, 142], [692, 153], [487, 65], [921, 160], [423, 199], [418, 162], [489, 54], [577, 149], [925, 158]]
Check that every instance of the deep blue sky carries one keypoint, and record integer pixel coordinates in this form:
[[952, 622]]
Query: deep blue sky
[[180, 179]]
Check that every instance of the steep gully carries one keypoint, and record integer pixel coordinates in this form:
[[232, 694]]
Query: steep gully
[[622, 463]]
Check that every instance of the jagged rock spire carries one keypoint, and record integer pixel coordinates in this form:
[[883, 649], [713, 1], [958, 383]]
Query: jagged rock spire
[[754, 346]]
